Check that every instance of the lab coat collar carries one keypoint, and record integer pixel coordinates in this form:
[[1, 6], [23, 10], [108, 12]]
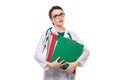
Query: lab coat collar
[[55, 32]]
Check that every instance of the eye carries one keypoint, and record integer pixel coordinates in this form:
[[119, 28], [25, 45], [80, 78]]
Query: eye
[[55, 16]]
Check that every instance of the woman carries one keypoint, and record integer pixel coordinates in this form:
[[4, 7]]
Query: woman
[[52, 71]]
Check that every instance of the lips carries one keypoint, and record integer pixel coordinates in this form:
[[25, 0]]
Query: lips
[[61, 21]]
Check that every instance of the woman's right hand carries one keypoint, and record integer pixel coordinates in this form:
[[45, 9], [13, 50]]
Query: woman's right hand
[[55, 64]]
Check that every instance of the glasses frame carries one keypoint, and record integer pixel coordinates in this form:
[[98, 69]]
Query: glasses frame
[[62, 14]]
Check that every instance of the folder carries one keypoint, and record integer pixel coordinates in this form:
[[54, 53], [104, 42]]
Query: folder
[[51, 43], [53, 47], [66, 49]]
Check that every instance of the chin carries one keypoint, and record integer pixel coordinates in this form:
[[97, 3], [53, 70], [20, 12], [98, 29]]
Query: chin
[[61, 24]]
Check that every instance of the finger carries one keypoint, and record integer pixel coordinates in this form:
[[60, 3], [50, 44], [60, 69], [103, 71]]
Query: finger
[[62, 61], [65, 63], [69, 70], [57, 59], [66, 70]]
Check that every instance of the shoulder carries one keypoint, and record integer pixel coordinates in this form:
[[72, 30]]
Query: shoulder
[[73, 34], [76, 37], [45, 32]]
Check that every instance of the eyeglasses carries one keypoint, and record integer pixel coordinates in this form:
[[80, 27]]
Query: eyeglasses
[[57, 15]]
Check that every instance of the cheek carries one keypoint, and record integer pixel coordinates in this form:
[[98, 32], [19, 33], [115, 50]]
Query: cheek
[[55, 21]]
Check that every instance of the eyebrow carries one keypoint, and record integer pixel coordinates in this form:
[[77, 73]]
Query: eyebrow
[[58, 13]]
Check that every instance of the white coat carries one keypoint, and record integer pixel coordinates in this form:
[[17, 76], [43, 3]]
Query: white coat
[[57, 74]]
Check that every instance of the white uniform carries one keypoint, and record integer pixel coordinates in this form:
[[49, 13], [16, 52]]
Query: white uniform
[[57, 74]]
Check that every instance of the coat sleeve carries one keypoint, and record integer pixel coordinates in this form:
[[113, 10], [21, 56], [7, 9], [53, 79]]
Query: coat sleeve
[[85, 54], [39, 57]]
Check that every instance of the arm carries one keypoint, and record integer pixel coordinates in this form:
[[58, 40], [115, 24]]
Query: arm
[[39, 51], [85, 54], [81, 60], [41, 59]]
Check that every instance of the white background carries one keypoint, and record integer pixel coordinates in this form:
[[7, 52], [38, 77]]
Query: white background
[[96, 22]]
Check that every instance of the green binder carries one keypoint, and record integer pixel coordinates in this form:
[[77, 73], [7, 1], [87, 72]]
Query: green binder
[[67, 50]]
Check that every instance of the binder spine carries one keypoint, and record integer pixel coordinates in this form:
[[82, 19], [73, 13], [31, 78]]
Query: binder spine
[[51, 47]]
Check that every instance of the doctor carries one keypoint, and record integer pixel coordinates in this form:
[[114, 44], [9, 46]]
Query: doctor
[[52, 71]]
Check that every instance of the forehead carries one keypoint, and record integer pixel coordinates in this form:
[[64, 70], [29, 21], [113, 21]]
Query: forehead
[[56, 11]]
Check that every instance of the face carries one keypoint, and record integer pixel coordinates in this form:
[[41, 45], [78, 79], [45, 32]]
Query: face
[[57, 17]]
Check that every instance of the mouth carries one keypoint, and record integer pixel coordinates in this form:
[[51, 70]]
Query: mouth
[[61, 21]]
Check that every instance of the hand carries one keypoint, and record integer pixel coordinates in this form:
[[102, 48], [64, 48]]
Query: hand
[[72, 66], [55, 64]]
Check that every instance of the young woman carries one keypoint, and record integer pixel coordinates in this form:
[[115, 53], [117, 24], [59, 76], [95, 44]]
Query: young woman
[[52, 71]]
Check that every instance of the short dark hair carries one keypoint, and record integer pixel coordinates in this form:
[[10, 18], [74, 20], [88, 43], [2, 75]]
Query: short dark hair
[[52, 9]]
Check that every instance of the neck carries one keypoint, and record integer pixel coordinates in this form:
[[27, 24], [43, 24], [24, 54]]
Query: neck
[[59, 28]]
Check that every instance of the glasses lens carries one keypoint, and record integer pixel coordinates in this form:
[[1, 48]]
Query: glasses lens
[[57, 15]]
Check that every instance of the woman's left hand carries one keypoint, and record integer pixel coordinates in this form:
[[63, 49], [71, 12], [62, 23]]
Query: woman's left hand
[[72, 66]]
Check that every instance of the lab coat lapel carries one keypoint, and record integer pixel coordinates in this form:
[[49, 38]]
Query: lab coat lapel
[[65, 34], [54, 31]]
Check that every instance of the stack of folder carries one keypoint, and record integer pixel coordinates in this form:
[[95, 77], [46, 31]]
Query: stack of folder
[[64, 48]]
